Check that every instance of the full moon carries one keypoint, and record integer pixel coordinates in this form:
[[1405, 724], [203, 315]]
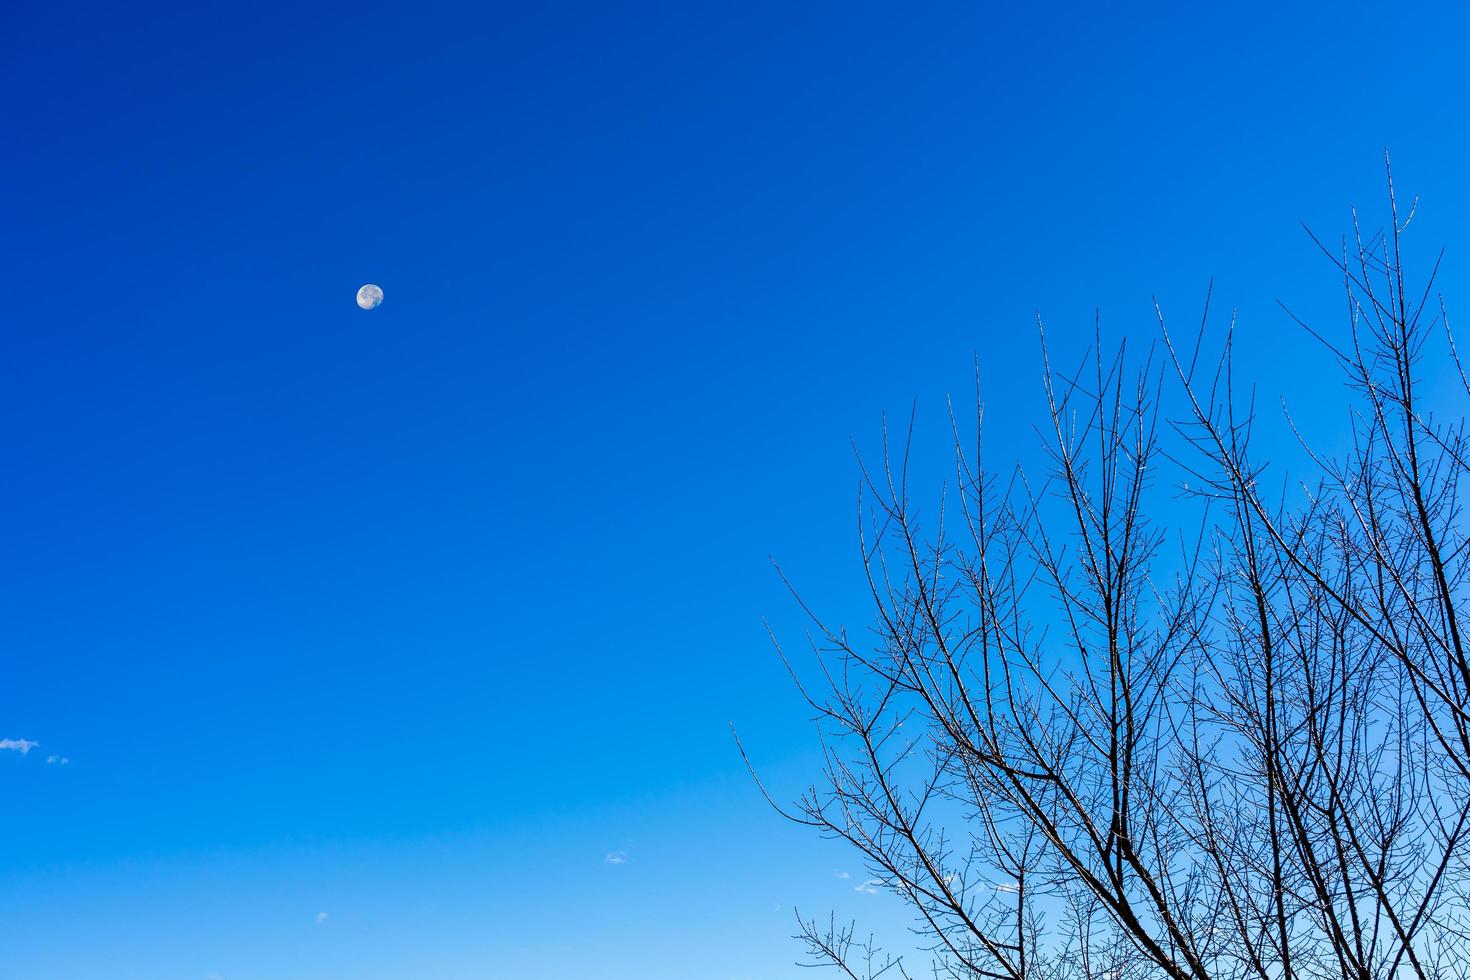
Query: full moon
[[369, 296]]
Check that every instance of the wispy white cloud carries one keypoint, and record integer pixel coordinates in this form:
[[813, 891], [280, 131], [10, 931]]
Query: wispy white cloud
[[869, 887], [843, 875], [321, 917], [57, 760], [616, 857], [21, 745]]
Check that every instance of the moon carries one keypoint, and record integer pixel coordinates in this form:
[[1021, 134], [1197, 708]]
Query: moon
[[370, 296]]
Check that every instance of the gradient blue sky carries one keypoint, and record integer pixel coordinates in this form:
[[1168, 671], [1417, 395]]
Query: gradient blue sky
[[413, 617]]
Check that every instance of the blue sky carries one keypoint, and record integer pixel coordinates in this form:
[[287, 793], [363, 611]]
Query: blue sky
[[415, 617]]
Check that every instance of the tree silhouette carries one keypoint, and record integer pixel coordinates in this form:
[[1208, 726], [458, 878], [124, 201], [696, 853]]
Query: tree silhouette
[[1079, 744]]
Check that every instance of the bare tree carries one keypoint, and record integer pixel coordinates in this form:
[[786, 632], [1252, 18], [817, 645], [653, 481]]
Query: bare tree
[[1078, 744]]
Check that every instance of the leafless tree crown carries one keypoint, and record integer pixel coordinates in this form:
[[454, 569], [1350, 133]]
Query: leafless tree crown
[[1081, 746]]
